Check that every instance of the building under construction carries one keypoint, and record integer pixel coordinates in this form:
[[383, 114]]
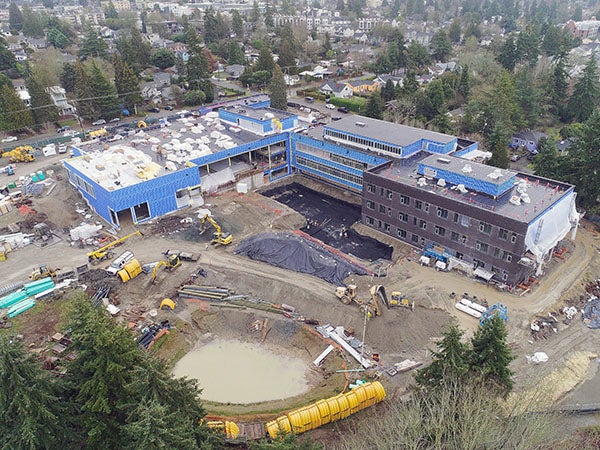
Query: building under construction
[[428, 189]]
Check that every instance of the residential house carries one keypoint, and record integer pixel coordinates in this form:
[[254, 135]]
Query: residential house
[[317, 72], [527, 139], [361, 36], [563, 145], [22, 91], [59, 98], [162, 79], [291, 80], [363, 86], [383, 78], [340, 90], [234, 71], [585, 29], [150, 91]]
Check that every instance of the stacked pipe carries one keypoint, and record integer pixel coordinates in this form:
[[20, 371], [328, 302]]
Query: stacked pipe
[[20, 307], [209, 293], [100, 294]]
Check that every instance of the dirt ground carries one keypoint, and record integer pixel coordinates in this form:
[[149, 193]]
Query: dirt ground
[[397, 335]]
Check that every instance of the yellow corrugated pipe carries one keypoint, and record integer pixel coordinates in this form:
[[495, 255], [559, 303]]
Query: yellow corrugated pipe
[[328, 410], [230, 429]]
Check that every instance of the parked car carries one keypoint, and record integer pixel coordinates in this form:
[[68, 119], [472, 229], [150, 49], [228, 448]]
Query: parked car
[[309, 99], [62, 149], [116, 119], [343, 109], [169, 108], [336, 118], [293, 105], [515, 157], [10, 139], [99, 122], [330, 106], [63, 129], [154, 110]]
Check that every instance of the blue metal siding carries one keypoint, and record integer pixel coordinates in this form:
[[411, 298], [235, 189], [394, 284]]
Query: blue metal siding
[[240, 149], [469, 182], [100, 202], [469, 149], [412, 148], [366, 158]]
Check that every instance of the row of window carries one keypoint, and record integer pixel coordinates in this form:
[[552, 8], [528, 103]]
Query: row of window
[[78, 181], [420, 241], [348, 161], [329, 170], [364, 142], [442, 213]]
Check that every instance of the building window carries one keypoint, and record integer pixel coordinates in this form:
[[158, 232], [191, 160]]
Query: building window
[[456, 217], [369, 220], [459, 255], [465, 221], [503, 234], [415, 238], [496, 252], [389, 212], [370, 204], [443, 213], [381, 192], [422, 241], [485, 228], [401, 233], [389, 194], [387, 227], [504, 275], [481, 246], [371, 188], [404, 200], [382, 209], [513, 238], [418, 204], [463, 239], [380, 224], [454, 236], [422, 225], [477, 263], [506, 256], [402, 217], [440, 231], [426, 209]]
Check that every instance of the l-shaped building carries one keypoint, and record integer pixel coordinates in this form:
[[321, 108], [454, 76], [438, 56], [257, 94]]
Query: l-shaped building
[[427, 189]]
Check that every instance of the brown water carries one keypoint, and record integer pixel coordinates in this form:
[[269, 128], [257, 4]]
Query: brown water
[[239, 372]]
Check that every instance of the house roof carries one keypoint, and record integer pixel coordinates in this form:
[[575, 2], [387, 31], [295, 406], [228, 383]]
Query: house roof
[[528, 135]]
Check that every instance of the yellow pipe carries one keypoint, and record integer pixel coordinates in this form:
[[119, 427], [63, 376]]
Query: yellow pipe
[[328, 410]]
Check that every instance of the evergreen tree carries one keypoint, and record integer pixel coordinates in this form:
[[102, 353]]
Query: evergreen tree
[[491, 355], [268, 16], [163, 58], [57, 38], [237, 24], [265, 61], [455, 31], [255, 15], [529, 96], [435, 92], [83, 92], [126, 83], [586, 93], [33, 25], [418, 56], [442, 124], [15, 18], [7, 59], [235, 55], [67, 77], [110, 12], [508, 56], [42, 107], [374, 107], [449, 364], [198, 73], [558, 89], [105, 100], [441, 46], [388, 91], [134, 50], [277, 89], [106, 355], [33, 414], [464, 85], [287, 56], [496, 142], [14, 115], [410, 83], [92, 45]]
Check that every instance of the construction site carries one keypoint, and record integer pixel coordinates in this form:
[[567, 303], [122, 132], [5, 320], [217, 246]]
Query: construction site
[[284, 284]]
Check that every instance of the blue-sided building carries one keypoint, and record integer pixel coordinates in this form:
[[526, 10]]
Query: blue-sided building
[[428, 189]]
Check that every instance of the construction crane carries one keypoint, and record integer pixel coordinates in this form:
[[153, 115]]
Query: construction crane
[[348, 295], [23, 153], [103, 253], [220, 237], [172, 262]]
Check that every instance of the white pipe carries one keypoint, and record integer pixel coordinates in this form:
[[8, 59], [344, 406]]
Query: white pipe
[[469, 311], [366, 363], [317, 362]]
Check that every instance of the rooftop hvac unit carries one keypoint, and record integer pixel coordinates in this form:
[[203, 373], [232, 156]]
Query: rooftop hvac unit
[[467, 168], [441, 182], [444, 160], [497, 173], [462, 189], [361, 124], [422, 181]]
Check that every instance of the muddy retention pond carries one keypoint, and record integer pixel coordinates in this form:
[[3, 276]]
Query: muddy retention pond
[[232, 371]]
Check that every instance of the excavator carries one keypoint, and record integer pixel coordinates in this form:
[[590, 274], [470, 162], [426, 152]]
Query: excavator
[[348, 295], [220, 237], [396, 299], [105, 252], [172, 262], [23, 153], [42, 271]]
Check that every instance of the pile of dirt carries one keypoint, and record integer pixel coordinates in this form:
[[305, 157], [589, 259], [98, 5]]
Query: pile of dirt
[[168, 225]]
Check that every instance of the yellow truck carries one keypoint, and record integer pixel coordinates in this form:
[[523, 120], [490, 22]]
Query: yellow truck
[[97, 134]]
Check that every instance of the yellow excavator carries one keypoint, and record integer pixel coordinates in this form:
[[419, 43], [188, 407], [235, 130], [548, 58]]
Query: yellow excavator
[[43, 271], [23, 153], [347, 295], [172, 262], [220, 237], [105, 252]]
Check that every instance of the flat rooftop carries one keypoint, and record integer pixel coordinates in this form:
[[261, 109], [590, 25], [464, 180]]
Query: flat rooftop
[[540, 192], [389, 132], [133, 157], [260, 113]]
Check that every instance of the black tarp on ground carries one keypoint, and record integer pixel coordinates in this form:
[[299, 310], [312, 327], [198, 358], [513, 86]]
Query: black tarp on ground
[[591, 311], [292, 252], [328, 217]]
